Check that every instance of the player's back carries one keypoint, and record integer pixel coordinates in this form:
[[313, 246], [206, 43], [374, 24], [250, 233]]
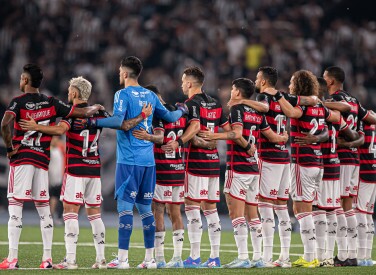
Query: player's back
[[312, 121], [367, 154], [252, 122], [205, 162], [35, 146], [83, 158], [170, 168], [130, 150]]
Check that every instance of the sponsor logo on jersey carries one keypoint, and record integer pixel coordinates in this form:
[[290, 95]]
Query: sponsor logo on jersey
[[136, 94], [13, 106], [30, 105]]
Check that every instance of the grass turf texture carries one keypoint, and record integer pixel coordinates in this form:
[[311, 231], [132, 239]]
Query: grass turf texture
[[30, 254]]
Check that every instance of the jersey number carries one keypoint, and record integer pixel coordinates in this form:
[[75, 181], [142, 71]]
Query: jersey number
[[94, 144], [372, 147], [333, 144], [281, 121], [251, 138], [352, 122], [173, 136], [30, 141], [316, 125]]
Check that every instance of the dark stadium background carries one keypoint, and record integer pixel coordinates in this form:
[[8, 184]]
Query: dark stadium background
[[228, 39]]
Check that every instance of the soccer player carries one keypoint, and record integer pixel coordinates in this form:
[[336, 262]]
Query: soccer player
[[349, 172], [169, 189], [29, 152], [274, 167], [202, 168], [82, 183], [327, 198], [242, 175], [306, 167], [135, 170], [365, 199]]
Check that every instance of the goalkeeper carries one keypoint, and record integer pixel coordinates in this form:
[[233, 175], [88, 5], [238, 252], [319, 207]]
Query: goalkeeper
[[135, 170]]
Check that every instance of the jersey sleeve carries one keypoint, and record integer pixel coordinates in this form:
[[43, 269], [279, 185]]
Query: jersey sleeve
[[264, 124], [338, 97], [158, 124], [327, 113], [194, 111], [264, 98], [223, 120], [120, 104], [62, 109], [362, 112], [68, 122], [13, 108], [292, 99], [236, 115]]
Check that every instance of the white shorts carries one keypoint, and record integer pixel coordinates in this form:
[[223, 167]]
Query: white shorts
[[304, 182], [349, 179], [366, 197], [169, 194], [27, 182], [328, 195], [201, 188], [244, 187], [78, 190], [274, 180]]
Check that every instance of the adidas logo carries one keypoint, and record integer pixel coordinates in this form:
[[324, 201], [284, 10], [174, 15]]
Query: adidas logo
[[333, 232], [48, 226], [101, 242], [354, 237], [217, 230], [312, 239], [180, 240], [19, 226], [288, 229], [259, 236]]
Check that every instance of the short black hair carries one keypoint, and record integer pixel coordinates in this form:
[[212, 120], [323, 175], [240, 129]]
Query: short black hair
[[35, 73], [133, 63], [323, 88], [153, 88], [195, 72], [245, 85], [270, 74], [337, 73]]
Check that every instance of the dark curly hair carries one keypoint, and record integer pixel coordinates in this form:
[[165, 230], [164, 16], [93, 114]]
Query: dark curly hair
[[305, 83]]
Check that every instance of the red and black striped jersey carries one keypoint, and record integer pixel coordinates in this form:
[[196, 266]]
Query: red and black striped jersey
[[312, 121], [82, 157], [348, 156], [35, 146], [252, 122], [203, 108], [170, 167], [367, 151], [329, 153], [275, 152]]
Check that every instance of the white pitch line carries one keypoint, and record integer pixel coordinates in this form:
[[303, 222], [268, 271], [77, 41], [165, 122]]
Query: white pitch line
[[134, 245]]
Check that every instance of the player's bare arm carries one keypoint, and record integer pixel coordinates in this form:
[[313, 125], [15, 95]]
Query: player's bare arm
[[189, 133], [370, 118], [32, 125], [201, 143], [156, 137], [261, 107], [274, 137], [351, 144], [131, 123], [86, 112], [308, 100], [6, 132], [335, 116], [310, 139], [337, 105], [288, 109], [346, 132]]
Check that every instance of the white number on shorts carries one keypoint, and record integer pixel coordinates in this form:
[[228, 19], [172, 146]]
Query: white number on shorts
[[281, 120], [30, 141], [333, 145], [94, 145], [251, 136], [173, 136], [372, 147], [352, 121]]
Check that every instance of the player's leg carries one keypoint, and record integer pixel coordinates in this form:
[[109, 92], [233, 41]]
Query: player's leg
[[160, 232], [72, 196], [19, 186], [193, 196], [173, 211], [303, 185], [93, 200], [40, 194], [146, 177], [352, 231], [270, 178], [209, 208], [235, 193]]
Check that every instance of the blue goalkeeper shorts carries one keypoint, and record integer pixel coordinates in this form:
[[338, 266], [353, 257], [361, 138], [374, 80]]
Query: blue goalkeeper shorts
[[135, 184]]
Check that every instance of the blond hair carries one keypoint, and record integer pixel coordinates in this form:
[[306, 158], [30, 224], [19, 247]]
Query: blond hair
[[83, 86]]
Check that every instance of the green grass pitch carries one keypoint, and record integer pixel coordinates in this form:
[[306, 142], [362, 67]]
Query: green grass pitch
[[30, 253]]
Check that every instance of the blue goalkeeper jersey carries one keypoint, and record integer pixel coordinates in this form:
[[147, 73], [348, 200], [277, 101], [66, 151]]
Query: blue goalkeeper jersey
[[128, 102]]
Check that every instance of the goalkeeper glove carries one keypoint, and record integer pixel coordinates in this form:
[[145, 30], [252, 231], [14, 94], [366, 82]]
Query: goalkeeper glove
[[84, 123], [182, 107]]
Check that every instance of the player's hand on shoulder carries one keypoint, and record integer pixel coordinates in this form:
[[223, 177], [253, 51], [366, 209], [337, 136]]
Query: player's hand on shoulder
[[182, 107], [99, 107], [233, 102]]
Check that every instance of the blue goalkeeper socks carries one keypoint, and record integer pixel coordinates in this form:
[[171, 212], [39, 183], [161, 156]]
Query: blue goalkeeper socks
[[148, 224], [125, 210]]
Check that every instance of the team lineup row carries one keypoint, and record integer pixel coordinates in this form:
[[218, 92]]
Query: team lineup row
[[167, 156]]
